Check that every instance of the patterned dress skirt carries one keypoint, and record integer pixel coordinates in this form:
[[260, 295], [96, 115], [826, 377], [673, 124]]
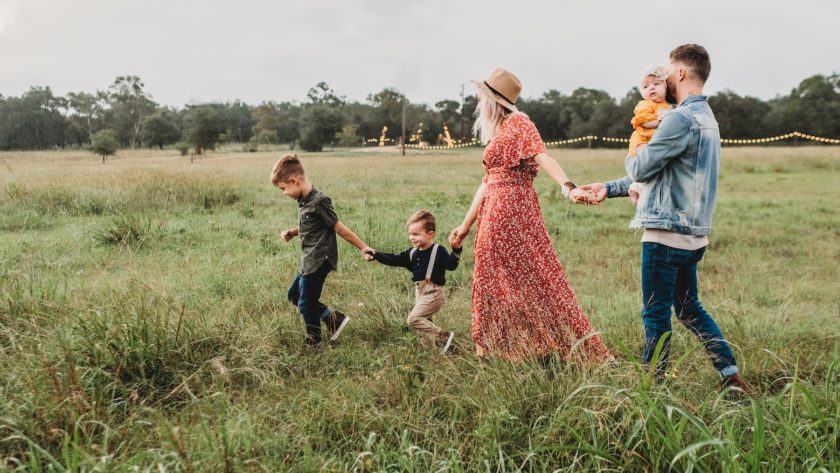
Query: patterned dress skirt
[[523, 305]]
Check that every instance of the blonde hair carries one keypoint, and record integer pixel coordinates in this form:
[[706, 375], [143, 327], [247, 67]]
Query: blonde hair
[[488, 116], [424, 216], [285, 168]]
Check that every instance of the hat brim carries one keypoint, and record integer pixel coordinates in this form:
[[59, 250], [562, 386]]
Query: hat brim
[[481, 85]]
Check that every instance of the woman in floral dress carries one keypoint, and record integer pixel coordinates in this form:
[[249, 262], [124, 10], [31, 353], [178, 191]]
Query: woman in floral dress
[[523, 305]]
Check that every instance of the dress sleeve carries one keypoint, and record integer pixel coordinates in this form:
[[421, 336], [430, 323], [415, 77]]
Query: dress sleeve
[[533, 143], [644, 112], [528, 143]]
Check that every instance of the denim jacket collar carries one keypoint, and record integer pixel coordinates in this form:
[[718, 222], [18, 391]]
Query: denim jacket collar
[[693, 98]]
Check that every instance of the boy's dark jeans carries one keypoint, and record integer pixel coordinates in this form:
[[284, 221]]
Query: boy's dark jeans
[[669, 278], [305, 293]]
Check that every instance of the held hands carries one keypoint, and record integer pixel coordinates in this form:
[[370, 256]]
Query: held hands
[[367, 253], [579, 195], [598, 189], [456, 238], [287, 235]]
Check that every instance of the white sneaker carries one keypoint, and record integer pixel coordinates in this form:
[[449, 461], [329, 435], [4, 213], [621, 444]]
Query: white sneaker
[[448, 343], [337, 321]]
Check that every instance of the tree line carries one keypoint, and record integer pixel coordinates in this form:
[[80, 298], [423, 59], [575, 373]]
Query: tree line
[[125, 115]]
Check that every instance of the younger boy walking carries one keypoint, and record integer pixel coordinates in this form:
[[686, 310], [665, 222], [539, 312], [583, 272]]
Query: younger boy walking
[[318, 224], [428, 263]]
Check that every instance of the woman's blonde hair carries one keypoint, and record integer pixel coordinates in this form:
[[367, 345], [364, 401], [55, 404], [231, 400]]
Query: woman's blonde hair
[[488, 116]]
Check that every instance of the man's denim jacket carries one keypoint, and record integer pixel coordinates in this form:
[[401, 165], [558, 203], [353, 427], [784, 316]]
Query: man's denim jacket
[[681, 165]]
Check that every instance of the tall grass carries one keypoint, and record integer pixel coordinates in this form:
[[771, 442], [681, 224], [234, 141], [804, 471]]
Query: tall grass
[[143, 326]]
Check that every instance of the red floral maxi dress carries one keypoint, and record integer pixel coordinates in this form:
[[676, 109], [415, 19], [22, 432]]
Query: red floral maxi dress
[[523, 305]]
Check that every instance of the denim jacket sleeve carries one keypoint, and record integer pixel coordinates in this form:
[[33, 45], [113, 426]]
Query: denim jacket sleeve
[[618, 187], [670, 140]]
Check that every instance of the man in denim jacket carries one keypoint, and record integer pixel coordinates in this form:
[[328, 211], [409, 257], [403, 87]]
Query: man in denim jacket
[[681, 165]]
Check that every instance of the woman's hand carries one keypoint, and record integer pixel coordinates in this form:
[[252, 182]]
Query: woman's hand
[[585, 197], [456, 238]]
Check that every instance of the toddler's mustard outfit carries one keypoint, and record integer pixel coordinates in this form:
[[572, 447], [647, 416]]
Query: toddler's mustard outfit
[[644, 112]]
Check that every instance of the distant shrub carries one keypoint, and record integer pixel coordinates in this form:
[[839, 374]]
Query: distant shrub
[[183, 147], [127, 230]]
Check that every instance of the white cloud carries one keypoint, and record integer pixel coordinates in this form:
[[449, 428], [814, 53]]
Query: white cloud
[[8, 9], [275, 50]]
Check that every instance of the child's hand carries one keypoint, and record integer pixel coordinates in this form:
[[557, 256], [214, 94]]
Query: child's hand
[[634, 196], [457, 236], [639, 148], [287, 235], [367, 253]]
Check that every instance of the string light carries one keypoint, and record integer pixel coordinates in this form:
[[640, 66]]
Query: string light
[[609, 139]]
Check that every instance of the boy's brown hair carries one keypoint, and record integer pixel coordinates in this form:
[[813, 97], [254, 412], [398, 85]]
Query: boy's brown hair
[[695, 58], [287, 167], [424, 216]]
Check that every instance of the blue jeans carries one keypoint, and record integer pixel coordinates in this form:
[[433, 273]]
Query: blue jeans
[[669, 278], [305, 293]]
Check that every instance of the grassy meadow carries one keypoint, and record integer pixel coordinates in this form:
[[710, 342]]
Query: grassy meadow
[[144, 326]]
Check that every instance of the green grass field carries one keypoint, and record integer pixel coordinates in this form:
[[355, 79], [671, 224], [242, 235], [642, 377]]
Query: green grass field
[[144, 327]]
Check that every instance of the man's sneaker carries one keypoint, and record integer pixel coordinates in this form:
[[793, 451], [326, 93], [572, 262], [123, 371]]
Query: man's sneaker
[[336, 323], [447, 347]]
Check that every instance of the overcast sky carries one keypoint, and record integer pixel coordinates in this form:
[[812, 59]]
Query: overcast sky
[[189, 51]]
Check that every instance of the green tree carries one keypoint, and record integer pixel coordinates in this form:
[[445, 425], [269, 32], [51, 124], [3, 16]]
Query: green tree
[[161, 128], [288, 127], [322, 94], [86, 111], [204, 124], [449, 111], [550, 113], [812, 107], [266, 119], [318, 125], [33, 121], [388, 105], [620, 126], [104, 143], [239, 121], [365, 118], [739, 117], [347, 136], [129, 105]]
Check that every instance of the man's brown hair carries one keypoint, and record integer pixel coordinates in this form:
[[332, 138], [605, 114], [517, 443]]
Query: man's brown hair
[[695, 58], [287, 167], [424, 216]]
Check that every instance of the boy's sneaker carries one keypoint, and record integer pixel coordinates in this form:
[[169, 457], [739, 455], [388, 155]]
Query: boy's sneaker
[[447, 347], [336, 323], [314, 344], [737, 382]]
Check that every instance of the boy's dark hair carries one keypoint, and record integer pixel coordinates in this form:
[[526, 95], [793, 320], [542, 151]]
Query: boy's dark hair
[[287, 167], [424, 216], [695, 58]]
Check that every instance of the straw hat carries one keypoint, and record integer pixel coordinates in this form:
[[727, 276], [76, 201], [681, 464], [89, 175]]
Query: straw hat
[[503, 87]]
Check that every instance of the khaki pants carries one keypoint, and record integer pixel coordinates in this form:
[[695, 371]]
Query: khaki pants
[[428, 300]]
